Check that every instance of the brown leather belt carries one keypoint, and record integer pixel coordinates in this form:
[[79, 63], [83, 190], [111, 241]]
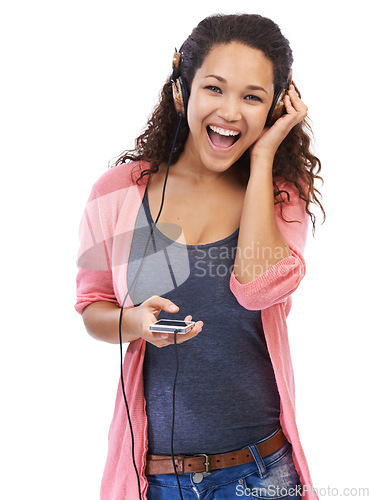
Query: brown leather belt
[[159, 464]]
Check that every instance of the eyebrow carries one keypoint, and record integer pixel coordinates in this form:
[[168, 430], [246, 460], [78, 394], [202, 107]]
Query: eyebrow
[[251, 87]]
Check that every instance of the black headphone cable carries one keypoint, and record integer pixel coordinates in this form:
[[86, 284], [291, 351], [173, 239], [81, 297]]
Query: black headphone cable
[[121, 316], [173, 412]]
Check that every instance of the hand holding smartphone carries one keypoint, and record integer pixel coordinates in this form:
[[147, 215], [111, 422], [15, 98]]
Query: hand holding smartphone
[[142, 322]]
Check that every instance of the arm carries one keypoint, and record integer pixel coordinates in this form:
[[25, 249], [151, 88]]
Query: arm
[[268, 264], [280, 280], [260, 243], [101, 321]]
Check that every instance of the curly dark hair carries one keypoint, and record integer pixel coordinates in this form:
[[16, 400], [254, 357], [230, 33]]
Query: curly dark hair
[[293, 162]]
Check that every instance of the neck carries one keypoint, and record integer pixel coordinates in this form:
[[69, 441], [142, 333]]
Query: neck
[[192, 170]]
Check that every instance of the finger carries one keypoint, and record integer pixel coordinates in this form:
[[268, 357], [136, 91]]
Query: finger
[[288, 105], [160, 303], [197, 328], [296, 101], [198, 325], [294, 114]]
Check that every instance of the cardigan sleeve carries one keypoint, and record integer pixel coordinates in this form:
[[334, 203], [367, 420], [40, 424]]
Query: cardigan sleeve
[[279, 281], [94, 278]]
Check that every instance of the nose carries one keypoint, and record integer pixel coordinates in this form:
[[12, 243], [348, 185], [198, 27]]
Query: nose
[[229, 109]]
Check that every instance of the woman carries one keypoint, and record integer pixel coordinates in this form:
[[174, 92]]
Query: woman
[[228, 253]]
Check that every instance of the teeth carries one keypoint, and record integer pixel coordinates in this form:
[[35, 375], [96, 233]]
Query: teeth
[[222, 131]]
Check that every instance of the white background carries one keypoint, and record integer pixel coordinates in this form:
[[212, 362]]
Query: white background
[[78, 81]]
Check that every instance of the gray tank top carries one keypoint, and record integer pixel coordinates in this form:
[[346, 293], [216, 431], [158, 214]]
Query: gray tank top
[[226, 393]]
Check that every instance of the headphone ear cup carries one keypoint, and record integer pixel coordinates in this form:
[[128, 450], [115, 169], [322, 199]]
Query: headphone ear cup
[[277, 108], [180, 96]]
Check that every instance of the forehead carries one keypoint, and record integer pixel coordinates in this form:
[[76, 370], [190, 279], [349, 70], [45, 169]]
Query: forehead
[[235, 60]]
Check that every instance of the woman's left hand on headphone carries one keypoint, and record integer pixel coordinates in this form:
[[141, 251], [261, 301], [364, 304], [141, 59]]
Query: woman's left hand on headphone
[[271, 137]]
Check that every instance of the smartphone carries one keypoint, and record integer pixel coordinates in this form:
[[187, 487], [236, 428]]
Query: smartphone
[[170, 325]]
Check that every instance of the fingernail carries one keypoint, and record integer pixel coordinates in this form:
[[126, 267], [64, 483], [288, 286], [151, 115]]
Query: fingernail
[[173, 307], [164, 336]]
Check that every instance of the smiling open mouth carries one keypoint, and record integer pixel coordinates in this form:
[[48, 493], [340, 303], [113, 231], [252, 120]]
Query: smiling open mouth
[[222, 138]]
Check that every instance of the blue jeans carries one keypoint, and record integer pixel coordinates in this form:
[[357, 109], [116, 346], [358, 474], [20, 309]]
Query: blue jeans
[[272, 477]]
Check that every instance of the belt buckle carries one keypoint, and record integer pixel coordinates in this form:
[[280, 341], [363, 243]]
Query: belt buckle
[[206, 463]]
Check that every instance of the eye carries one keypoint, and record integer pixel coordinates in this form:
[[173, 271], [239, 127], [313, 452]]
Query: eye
[[251, 97], [213, 88]]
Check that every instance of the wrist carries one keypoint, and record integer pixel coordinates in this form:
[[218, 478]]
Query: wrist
[[128, 325], [264, 159], [261, 168]]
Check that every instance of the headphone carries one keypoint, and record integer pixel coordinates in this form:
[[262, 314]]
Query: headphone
[[277, 107], [180, 91], [180, 94]]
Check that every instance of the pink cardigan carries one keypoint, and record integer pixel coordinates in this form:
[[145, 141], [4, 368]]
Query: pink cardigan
[[106, 233]]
